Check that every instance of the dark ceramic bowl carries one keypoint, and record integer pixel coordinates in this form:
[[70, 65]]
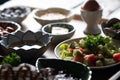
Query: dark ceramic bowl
[[58, 35], [8, 27], [15, 13], [108, 29], [77, 70], [28, 45]]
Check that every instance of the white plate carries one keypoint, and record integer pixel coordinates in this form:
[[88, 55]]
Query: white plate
[[57, 53]]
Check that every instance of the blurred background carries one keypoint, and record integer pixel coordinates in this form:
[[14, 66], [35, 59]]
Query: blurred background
[[110, 8]]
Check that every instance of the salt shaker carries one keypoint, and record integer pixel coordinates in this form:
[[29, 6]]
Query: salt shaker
[[91, 13]]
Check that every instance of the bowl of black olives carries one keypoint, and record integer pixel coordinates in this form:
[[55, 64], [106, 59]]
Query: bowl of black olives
[[15, 13]]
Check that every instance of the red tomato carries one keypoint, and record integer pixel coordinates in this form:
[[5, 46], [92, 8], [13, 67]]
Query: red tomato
[[78, 58], [71, 50], [91, 59], [82, 50], [116, 57]]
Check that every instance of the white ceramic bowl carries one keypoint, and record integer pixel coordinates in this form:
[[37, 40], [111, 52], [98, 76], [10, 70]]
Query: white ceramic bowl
[[51, 15], [58, 37]]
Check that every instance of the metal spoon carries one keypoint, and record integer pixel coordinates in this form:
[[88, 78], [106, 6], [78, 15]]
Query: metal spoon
[[115, 76]]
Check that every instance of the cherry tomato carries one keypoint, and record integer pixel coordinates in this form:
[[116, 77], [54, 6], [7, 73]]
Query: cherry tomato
[[78, 58], [91, 59], [83, 50], [116, 57], [70, 50]]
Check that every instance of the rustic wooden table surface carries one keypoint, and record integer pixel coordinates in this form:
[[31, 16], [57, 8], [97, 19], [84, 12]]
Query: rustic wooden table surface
[[111, 9]]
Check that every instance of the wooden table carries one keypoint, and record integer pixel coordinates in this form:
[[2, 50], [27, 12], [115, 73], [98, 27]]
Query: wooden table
[[79, 26], [30, 24]]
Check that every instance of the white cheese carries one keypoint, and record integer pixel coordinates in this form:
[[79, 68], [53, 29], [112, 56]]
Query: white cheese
[[59, 30]]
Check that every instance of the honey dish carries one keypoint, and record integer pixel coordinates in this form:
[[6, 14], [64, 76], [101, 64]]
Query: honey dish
[[51, 15], [28, 45]]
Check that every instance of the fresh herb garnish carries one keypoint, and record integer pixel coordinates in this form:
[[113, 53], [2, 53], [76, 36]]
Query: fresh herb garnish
[[12, 59], [116, 26], [91, 43]]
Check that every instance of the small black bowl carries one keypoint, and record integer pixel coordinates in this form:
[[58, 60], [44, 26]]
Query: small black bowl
[[109, 31]]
